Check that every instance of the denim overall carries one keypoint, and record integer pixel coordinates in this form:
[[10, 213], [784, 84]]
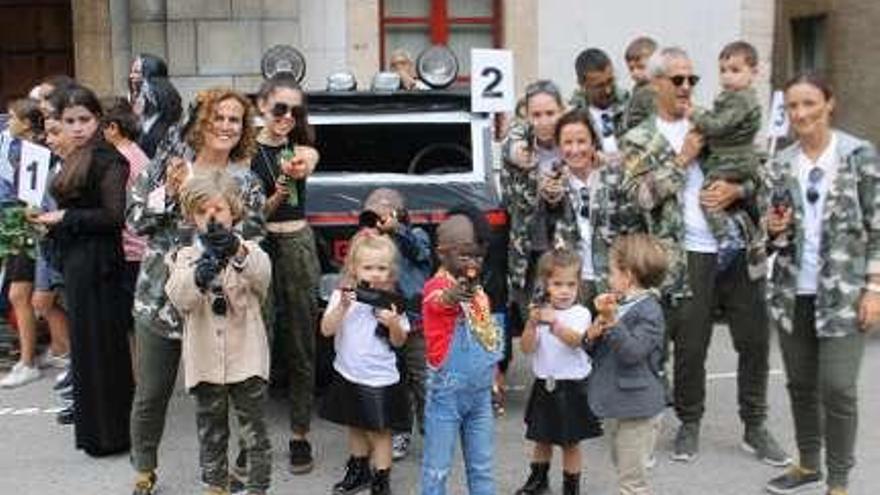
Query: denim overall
[[459, 403]]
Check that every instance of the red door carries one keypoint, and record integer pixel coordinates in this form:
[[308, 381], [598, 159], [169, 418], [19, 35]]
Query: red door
[[36, 41]]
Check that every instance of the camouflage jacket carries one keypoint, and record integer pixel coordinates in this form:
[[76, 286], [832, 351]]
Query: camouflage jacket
[[849, 249], [639, 107], [166, 231], [733, 121], [520, 190], [611, 215], [618, 109]]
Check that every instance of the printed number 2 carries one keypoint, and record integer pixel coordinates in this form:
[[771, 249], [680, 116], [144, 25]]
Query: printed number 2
[[32, 168], [490, 91]]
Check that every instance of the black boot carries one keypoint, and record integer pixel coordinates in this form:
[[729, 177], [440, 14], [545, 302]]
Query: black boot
[[571, 483], [381, 484], [537, 482], [357, 477]]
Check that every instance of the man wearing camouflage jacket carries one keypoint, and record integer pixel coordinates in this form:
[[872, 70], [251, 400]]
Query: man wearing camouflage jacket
[[664, 180]]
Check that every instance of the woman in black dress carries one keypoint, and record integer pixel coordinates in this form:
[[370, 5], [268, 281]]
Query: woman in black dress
[[90, 191]]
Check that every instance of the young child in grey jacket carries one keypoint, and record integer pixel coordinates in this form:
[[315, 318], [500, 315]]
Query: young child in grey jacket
[[625, 342]]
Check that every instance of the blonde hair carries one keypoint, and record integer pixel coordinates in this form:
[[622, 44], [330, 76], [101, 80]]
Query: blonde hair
[[643, 256], [203, 186], [207, 105], [367, 240]]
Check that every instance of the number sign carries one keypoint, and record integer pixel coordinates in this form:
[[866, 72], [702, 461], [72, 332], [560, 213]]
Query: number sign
[[33, 173], [492, 81]]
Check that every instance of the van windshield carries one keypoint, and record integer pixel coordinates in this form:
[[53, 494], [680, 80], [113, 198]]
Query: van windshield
[[414, 148]]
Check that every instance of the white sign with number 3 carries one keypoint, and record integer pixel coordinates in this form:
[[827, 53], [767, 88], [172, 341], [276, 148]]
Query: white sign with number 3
[[33, 173], [492, 81]]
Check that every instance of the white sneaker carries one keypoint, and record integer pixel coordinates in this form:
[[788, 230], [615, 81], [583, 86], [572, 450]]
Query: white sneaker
[[21, 374], [50, 360]]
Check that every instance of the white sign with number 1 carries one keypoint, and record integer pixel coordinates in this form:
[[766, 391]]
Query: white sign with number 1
[[32, 173], [492, 81]]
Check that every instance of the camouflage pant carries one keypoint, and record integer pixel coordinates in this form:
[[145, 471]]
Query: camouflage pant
[[212, 417], [291, 314]]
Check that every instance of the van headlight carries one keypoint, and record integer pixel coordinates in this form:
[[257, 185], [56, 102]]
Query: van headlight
[[437, 67]]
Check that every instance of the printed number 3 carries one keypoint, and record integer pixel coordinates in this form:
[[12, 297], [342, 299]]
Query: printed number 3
[[490, 91]]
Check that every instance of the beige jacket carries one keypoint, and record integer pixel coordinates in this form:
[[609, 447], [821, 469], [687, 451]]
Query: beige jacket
[[222, 349]]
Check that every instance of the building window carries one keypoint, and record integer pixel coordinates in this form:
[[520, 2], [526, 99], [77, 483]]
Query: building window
[[415, 25], [808, 42]]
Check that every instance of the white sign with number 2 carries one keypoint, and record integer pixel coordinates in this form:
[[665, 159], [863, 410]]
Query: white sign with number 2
[[32, 173], [492, 81]]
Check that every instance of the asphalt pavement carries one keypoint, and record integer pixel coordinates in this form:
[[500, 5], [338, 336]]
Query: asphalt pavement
[[37, 455]]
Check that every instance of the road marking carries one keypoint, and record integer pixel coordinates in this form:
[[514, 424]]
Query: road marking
[[732, 374]]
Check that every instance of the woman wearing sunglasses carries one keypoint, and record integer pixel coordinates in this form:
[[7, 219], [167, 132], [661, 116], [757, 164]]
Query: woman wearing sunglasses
[[283, 161], [823, 219]]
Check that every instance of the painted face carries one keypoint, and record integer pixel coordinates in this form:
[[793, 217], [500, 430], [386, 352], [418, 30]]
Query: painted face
[[599, 87], [79, 125], [217, 208], [278, 111], [638, 69], [735, 73], [808, 109], [227, 125], [562, 287], [576, 146], [17, 126], [543, 112], [674, 89], [374, 266], [136, 75]]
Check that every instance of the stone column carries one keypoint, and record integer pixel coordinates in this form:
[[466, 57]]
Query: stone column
[[362, 33], [521, 36], [120, 43], [92, 44]]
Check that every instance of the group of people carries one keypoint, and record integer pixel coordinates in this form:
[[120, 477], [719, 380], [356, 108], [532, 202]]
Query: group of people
[[636, 219]]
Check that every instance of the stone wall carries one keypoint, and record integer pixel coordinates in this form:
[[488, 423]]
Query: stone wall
[[220, 42]]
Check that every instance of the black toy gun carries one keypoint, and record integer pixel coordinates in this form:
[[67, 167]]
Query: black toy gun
[[780, 199], [379, 299]]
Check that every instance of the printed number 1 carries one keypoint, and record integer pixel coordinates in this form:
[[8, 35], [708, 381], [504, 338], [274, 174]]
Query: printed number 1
[[490, 91], [32, 168]]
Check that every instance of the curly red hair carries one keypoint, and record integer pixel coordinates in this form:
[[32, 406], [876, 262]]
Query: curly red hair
[[207, 104]]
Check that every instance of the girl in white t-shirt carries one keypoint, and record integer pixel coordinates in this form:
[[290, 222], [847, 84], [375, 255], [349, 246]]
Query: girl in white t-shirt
[[558, 412], [366, 394]]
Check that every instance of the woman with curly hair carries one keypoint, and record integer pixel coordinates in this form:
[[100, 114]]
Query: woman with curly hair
[[218, 135]]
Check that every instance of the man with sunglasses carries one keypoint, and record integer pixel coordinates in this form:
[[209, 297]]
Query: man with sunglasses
[[663, 178], [598, 92]]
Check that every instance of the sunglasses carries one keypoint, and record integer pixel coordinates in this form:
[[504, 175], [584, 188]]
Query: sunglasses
[[678, 81], [585, 202], [283, 109], [813, 179]]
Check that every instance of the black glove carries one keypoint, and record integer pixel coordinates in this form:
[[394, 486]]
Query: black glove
[[220, 240], [207, 268]]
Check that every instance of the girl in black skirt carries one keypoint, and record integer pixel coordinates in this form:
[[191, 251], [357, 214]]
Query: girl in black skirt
[[366, 394], [557, 412]]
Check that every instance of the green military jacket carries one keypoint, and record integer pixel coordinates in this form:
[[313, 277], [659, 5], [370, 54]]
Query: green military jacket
[[849, 248], [166, 231], [640, 106], [733, 121]]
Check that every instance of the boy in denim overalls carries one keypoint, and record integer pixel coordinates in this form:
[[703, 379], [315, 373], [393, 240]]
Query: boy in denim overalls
[[463, 345]]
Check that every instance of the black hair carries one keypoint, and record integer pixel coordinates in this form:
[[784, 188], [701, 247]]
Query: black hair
[[75, 96], [302, 132], [160, 98], [482, 231], [813, 79], [152, 66], [741, 48], [590, 60]]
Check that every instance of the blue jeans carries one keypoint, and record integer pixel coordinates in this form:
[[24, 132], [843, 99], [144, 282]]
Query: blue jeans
[[459, 404]]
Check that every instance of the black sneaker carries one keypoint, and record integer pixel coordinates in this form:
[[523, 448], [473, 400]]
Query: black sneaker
[[399, 445], [65, 416], [301, 461], [758, 440], [687, 442], [144, 484], [381, 484], [795, 480], [358, 477]]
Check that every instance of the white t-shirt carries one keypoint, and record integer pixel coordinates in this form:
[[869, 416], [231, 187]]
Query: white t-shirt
[[553, 358], [603, 120], [361, 356], [698, 237], [585, 228], [808, 275]]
